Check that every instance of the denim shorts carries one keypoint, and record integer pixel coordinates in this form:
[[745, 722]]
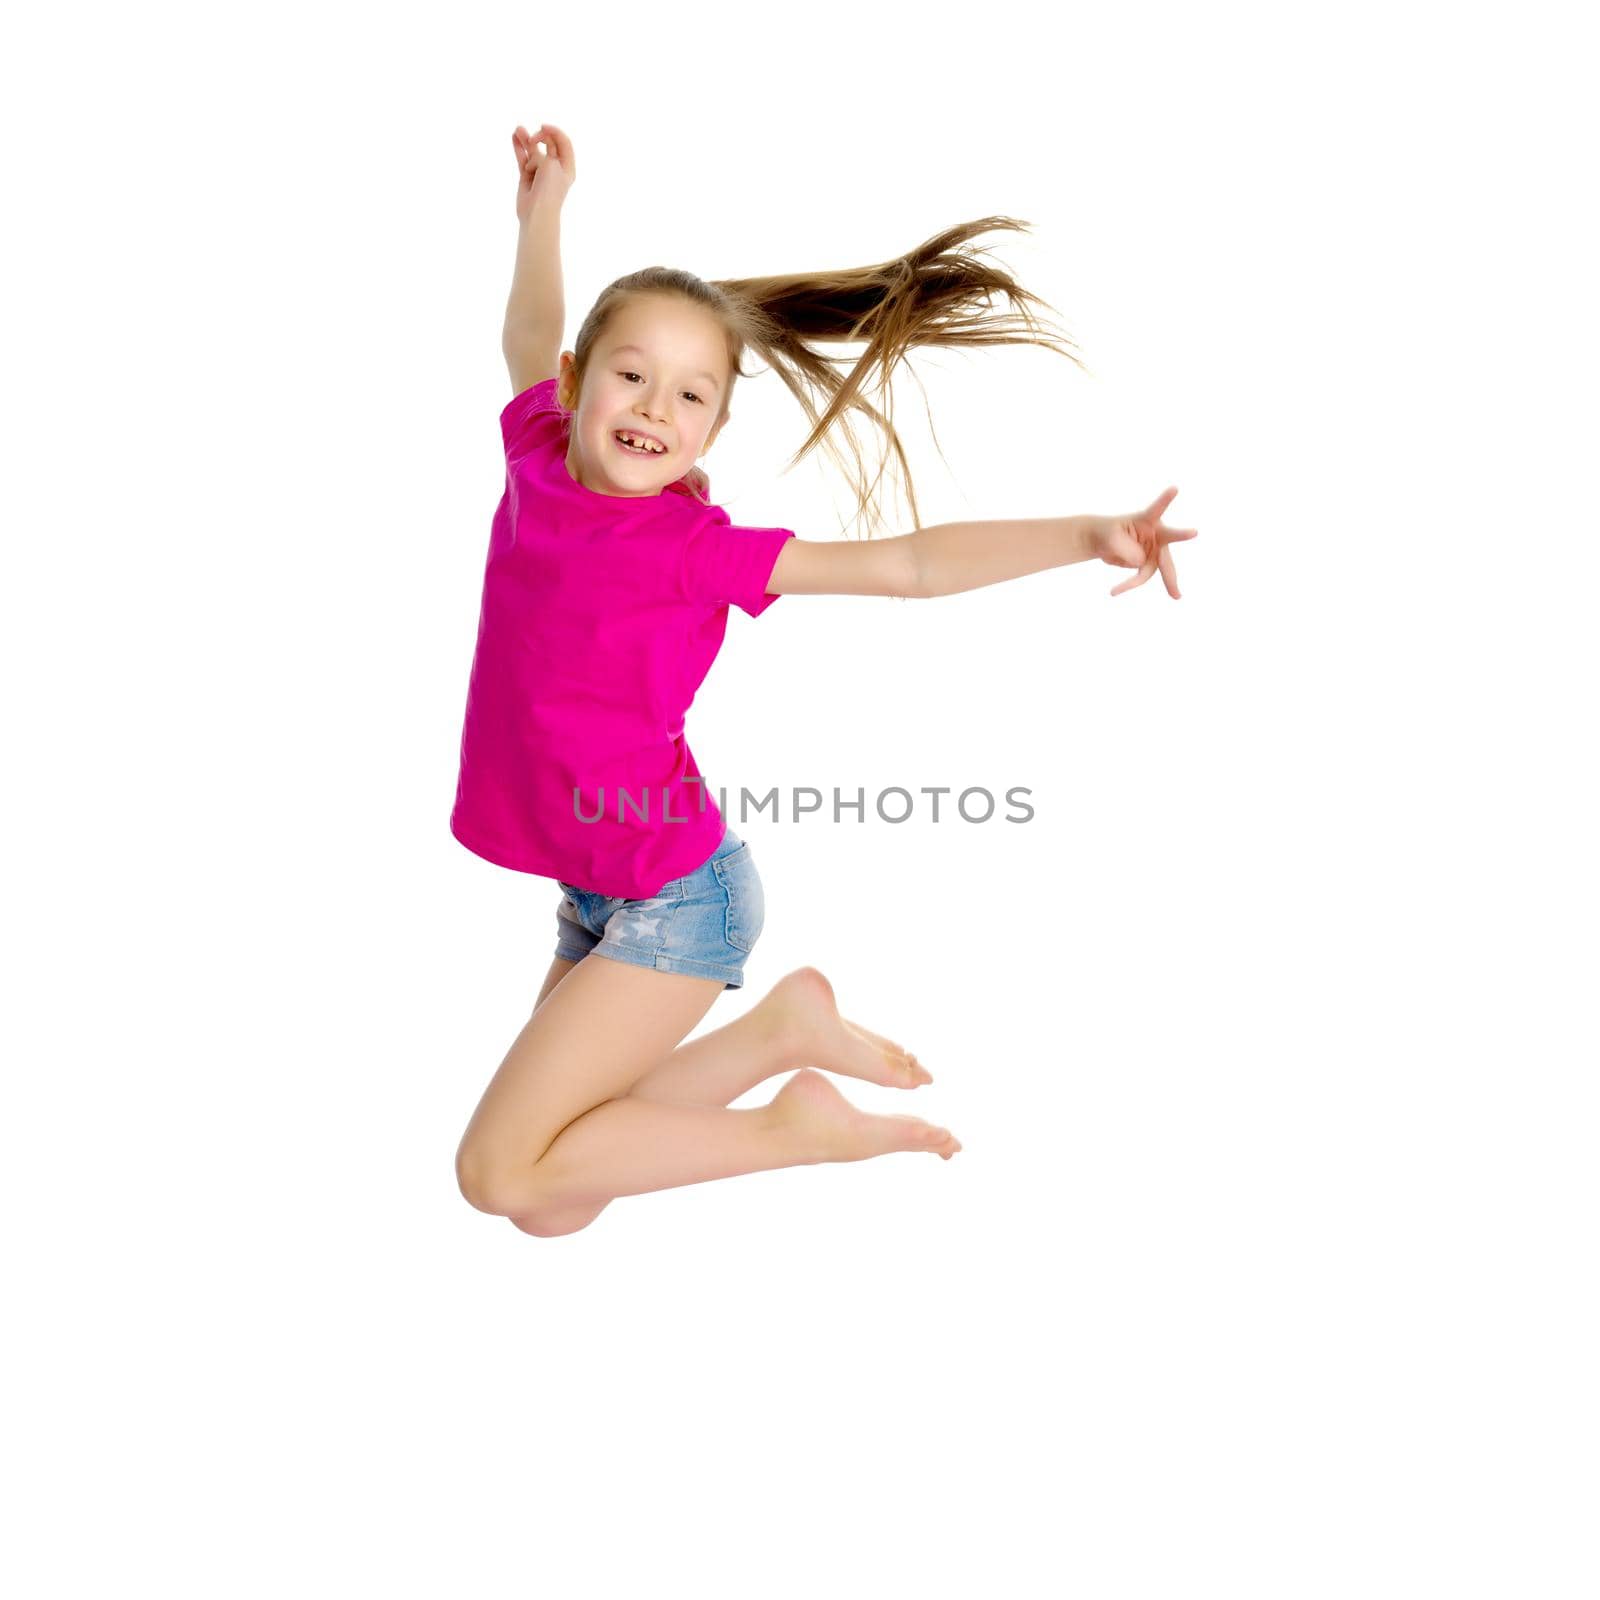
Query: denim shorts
[[703, 924]]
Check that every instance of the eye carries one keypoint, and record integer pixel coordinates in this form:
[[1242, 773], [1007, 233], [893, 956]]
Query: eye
[[689, 392]]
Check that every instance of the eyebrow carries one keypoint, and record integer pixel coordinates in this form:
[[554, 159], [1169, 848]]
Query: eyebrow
[[710, 378]]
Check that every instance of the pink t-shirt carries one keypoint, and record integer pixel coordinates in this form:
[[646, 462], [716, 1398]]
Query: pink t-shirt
[[601, 616]]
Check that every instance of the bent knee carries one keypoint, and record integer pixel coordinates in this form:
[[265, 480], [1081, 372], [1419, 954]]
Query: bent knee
[[488, 1187], [551, 1224]]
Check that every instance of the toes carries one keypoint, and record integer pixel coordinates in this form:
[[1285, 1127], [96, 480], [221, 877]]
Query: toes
[[902, 1061]]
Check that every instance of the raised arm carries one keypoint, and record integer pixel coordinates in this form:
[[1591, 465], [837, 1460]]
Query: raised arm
[[536, 310]]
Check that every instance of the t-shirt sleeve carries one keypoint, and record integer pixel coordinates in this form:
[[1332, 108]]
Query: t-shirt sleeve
[[728, 565], [532, 421]]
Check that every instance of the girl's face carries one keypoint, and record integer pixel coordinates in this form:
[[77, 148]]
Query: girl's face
[[660, 369]]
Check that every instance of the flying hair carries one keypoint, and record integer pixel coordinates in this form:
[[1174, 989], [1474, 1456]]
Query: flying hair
[[943, 293]]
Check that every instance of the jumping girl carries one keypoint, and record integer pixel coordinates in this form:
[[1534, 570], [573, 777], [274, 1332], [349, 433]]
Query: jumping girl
[[610, 572]]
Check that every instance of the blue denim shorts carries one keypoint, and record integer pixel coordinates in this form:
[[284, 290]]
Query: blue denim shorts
[[703, 924]]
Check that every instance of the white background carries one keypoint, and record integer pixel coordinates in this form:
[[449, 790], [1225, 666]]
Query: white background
[[1268, 1267]]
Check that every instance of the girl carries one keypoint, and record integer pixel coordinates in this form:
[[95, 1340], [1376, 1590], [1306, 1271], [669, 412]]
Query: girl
[[610, 573]]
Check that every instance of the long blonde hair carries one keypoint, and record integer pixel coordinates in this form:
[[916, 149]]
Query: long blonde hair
[[940, 293]]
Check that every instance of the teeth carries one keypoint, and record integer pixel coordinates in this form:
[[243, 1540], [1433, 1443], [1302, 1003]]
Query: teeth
[[633, 438]]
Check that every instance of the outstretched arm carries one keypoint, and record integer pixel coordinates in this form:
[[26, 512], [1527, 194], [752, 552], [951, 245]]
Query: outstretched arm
[[951, 557], [943, 559]]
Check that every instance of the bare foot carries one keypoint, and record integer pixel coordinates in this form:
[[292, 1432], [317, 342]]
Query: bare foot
[[831, 1129], [805, 1012]]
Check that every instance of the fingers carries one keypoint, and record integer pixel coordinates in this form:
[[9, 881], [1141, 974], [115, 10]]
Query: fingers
[[1150, 542], [1163, 563], [563, 150], [1133, 583], [555, 143], [1152, 556], [527, 155], [1169, 573]]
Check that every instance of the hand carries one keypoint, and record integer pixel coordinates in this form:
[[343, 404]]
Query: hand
[[1140, 540], [551, 170]]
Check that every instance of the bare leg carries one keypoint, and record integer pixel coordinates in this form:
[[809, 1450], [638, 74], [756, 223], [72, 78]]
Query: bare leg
[[795, 1024], [593, 1037], [629, 1146]]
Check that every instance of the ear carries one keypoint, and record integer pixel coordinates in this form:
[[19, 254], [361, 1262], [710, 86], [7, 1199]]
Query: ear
[[567, 382]]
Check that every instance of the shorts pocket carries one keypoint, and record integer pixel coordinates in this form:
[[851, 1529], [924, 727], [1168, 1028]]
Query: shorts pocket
[[747, 906]]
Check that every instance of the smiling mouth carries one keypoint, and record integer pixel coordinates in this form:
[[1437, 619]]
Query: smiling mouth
[[634, 450]]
